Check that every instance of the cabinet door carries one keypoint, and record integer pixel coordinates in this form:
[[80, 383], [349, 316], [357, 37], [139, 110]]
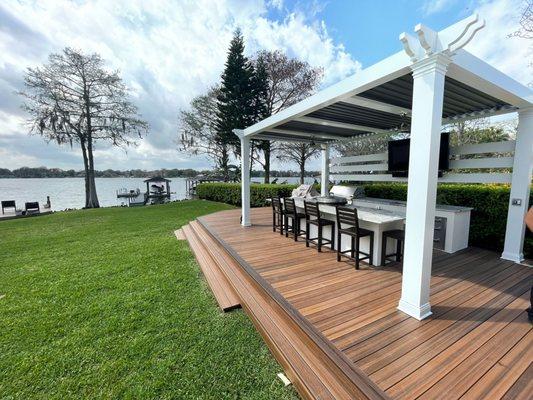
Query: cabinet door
[[439, 233]]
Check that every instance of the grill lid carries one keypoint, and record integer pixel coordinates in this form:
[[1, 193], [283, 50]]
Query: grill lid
[[331, 200]]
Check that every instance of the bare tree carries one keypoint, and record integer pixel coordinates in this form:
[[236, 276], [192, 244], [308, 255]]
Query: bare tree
[[289, 81], [364, 145], [74, 100], [476, 131], [299, 153], [526, 21], [198, 130]]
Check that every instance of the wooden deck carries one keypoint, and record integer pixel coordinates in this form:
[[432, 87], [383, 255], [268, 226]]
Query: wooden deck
[[477, 343]]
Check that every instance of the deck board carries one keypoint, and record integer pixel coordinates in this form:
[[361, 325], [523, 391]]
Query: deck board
[[475, 341]]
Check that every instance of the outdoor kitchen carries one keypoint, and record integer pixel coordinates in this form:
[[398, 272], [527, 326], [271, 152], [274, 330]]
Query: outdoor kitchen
[[380, 215]]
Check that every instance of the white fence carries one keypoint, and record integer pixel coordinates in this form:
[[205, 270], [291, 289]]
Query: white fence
[[374, 167]]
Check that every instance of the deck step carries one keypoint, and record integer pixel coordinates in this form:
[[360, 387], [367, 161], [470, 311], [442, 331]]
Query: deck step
[[314, 370], [222, 290]]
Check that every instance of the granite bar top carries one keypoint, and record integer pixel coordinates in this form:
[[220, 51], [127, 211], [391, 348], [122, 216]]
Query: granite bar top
[[372, 201], [364, 213]]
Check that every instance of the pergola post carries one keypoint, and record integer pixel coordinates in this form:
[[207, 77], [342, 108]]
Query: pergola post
[[428, 95], [324, 176], [245, 178], [520, 187]]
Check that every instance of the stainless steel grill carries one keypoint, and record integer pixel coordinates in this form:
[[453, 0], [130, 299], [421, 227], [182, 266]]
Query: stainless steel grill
[[331, 200], [346, 192]]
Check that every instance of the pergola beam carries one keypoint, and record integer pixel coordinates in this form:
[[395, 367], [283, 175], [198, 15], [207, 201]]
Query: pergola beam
[[266, 136], [311, 135], [377, 105], [343, 125], [479, 114], [472, 71]]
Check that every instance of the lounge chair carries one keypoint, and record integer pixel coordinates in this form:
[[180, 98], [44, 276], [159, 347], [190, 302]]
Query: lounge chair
[[32, 207], [8, 204]]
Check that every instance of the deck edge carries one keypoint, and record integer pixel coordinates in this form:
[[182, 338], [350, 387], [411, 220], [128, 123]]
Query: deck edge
[[344, 365]]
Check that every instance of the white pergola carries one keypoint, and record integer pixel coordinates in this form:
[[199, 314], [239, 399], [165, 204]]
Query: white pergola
[[432, 82]]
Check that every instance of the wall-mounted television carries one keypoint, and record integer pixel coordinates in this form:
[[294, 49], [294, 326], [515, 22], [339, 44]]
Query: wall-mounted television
[[399, 155]]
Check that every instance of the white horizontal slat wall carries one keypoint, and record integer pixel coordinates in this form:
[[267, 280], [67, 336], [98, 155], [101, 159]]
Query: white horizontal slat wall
[[373, 167], [490, 162]]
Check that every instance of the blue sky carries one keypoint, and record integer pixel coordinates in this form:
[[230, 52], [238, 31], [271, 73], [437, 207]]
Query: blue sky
[[369, 29], [170, 51]]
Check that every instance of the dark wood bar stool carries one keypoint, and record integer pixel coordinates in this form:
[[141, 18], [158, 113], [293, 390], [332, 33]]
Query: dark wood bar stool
[[348, 224], [399, 236], [277, 215], [292, 215], [313, 217]]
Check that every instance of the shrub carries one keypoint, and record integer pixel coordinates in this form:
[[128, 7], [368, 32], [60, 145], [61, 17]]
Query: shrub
[[489, 215], [487, 222], [231, 192]]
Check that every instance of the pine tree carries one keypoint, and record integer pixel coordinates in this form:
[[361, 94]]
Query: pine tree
[[260, 91], [235, 101]]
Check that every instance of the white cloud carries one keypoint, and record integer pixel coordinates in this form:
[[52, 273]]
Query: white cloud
[[304, 41], [430, 7], [511, 55], [277, 4], [167, 52]]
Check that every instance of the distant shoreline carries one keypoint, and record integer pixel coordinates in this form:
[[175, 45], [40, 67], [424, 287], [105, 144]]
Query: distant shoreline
[[45, 172]]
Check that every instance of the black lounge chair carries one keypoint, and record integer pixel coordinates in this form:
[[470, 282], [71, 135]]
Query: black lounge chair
[[32, 207], [8, 204]]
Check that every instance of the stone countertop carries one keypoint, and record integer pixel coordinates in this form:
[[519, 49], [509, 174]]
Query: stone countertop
[[440, 207], [364, 213]]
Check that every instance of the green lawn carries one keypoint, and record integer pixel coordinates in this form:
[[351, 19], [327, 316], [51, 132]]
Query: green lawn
[[108, 304]]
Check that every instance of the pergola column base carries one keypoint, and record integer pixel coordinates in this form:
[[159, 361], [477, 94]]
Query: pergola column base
[[418, 312], [517, 258]]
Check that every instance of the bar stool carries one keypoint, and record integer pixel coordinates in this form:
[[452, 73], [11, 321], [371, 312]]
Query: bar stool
[[292, 214], [348, 217], [277, 215], [313, 217], [399, 236]]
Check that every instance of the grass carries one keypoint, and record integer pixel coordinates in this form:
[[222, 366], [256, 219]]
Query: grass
[[108, 304]]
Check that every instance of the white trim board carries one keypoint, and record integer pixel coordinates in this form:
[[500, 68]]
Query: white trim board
[[502, 177]]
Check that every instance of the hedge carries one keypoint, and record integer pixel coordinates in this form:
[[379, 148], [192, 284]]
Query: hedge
[[489, 203], [489, 214], [231, 192]]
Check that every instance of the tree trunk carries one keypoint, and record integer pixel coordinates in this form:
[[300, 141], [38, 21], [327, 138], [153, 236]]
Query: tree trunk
[[86, 169], [251, 157], [266, 166], [93, 197], [302, 170], [224, 163]]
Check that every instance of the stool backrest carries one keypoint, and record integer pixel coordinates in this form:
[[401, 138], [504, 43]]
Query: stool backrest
[[290, 207], [276, 204], [347, 216], [311, 209]]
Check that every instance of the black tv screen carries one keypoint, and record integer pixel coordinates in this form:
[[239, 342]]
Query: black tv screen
[[399, 154]]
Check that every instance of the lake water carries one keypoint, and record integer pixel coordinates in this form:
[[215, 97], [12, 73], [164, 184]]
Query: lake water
[[70, 192]]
